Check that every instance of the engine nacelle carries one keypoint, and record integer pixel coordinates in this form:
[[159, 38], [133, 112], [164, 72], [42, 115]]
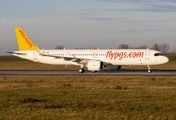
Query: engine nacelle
[[94, 65]]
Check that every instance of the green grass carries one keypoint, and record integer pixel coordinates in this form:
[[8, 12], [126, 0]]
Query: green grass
[[88, 97], [172, 57], [11, 58]]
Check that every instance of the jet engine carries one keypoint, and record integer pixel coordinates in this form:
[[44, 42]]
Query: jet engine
[[94, 65]]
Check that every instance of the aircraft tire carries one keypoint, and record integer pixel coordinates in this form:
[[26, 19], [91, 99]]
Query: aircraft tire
[[119, 67], [81, 70]]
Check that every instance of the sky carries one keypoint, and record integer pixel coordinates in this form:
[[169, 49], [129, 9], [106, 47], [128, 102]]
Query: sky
[[88, 23]]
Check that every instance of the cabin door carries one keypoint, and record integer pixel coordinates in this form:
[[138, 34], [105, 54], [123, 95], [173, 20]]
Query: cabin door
[[67, 54], [147, 55]]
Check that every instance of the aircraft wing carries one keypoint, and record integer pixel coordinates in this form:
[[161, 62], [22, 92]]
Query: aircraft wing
[[73, 58], [76, 59]]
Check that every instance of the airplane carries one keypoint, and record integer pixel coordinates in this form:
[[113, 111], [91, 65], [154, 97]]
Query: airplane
[[91, 59]]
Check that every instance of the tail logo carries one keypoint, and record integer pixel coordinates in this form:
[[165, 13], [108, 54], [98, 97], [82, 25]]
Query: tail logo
[[25, 38]]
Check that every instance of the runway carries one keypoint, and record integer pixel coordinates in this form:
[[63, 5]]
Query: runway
[[87, 73]]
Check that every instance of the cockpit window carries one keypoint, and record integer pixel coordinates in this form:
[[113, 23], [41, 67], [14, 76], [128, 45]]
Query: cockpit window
[[158, 54]]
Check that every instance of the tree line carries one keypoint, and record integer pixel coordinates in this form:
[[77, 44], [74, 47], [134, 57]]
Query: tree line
[[164, 47]]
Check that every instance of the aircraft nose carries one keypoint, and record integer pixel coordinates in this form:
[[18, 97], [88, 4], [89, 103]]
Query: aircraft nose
[[166, 59]]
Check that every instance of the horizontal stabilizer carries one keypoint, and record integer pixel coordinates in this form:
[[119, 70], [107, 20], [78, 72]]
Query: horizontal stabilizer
[[17, 53]]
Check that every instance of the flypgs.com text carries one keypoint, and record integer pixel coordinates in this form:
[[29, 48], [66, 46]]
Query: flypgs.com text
[[120, 55]]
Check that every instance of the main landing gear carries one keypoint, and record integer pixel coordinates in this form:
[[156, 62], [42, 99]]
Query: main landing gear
[[81, 70], [149, 71]]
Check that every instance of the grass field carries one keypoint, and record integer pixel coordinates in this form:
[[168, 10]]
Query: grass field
[[85, 97], [90, 98]]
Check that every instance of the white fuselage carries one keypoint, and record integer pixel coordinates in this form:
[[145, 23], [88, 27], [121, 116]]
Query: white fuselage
[[107, 56]]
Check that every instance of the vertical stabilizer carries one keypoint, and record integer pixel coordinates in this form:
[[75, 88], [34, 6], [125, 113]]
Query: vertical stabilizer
[[24, 42]]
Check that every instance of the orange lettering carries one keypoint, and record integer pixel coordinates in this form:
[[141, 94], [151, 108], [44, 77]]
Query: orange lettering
[[120, 55], [25, 38]]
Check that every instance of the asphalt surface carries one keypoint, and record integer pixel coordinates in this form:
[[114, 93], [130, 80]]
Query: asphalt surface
[[87, 73]]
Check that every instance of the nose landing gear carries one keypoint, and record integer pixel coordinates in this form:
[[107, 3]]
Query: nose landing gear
[[149, 69]]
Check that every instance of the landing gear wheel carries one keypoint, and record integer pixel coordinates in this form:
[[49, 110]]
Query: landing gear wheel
[[81, 70], [149, 71], [119, 67]]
